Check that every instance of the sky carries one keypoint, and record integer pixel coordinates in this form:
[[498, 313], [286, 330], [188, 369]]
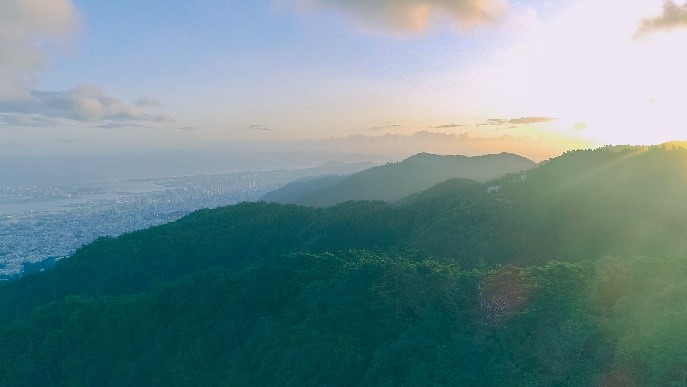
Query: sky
[[382, 77]]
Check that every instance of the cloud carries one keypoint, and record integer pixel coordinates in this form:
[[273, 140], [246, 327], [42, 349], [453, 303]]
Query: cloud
[[86, 104], [190, 128], [23, 24], [673, 16], [530, 120], [514, 122], [377, 128], [447, 126], [27, 30], [413, 15], [35, 121], [495, 121], [258, 127], [147, 102], [119, 125]]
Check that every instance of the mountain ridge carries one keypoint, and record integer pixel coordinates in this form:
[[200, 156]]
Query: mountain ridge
[[393, 181], [544, 277], [553, 213]]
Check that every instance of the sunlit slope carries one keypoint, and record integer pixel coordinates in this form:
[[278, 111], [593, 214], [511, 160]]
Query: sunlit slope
[[394, 181], [608, 201], [582, 205]]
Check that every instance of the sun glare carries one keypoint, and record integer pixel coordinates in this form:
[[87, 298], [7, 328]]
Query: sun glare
[[588, 69]]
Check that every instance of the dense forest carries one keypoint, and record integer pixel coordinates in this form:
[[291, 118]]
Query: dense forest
[[571, 273]]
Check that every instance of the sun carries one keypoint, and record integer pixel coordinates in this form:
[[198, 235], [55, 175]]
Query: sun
[[587, 68]]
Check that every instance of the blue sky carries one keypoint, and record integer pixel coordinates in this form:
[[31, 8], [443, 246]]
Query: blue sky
[[535, 77]]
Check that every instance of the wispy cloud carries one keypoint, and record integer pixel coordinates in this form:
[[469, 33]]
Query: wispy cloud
[[119, 125], [530, 120], [413, 15], [513, 122], [494, 121], [377, 128], [258, 127], [37, 121], [448, 126], [86, 104], [190, 128], [147, 102], [22, 25], [673, 16]]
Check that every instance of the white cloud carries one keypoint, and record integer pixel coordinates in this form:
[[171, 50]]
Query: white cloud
[[83, 104], [413, 15], [25, 27]]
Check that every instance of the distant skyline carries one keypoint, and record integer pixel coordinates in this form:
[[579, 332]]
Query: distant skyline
[[384, 77]]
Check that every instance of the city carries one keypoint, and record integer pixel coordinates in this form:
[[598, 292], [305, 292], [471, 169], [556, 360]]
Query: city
[[43, 224]]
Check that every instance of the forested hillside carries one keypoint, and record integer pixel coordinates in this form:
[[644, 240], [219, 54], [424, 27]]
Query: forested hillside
[[358, 318], [292, 192], [572, 273], [393, 181]]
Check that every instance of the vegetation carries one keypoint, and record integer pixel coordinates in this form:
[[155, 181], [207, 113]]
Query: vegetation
[[574, 273], [295, 190], [393, 181], [358, 318]]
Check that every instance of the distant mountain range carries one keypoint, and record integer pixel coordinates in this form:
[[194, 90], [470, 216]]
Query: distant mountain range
[[53, 170], [393, 181], [581, 205], [570, 273]]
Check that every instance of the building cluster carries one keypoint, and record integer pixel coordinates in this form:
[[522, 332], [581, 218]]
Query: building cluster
[[37, 223]]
